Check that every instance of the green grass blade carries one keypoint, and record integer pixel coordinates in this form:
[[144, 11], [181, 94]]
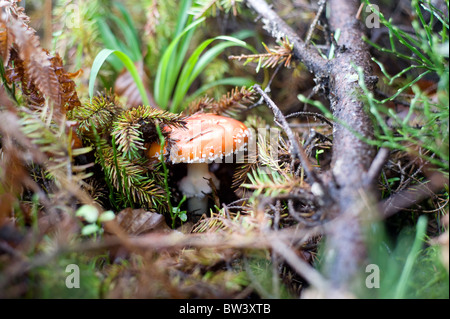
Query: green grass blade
[[183, 82], [127, 17], [214, 52], [421, 230], [109, 39], [132, 41], [195, 65], [180, 48], [164, 68], [179, 57], [110, 42], [127, 62], [182, 16]]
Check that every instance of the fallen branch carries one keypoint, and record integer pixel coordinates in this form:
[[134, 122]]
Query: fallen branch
[[352, 158]]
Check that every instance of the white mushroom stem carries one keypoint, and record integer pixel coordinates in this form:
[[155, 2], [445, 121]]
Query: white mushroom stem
[[195, 186]]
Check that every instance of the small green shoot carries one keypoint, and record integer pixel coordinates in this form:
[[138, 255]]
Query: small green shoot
[[318, 152], [91, 215]]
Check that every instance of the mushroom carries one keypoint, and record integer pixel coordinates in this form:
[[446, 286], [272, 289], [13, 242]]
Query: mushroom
[[205, 138]]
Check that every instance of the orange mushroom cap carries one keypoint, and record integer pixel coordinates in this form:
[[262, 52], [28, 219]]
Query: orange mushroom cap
[[205, 138]]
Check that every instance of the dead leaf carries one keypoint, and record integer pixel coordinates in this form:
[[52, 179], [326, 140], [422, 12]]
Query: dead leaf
[[139, 221]]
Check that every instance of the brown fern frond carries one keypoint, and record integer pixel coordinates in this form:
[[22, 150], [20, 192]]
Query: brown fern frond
[[16, 73], [40, 74], [9, 11], [236, 99], [5, 43], [12, 11], [67, 87], [230, 102], [37, 62]]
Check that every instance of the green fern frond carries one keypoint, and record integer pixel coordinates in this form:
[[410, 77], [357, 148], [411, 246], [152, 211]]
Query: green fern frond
[[128, 136], [100, 112], [149, 114], [270, 183], [132, 180], [130, 124]]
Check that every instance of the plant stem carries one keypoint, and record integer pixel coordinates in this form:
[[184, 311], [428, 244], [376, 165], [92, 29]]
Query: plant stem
[[166, 173]]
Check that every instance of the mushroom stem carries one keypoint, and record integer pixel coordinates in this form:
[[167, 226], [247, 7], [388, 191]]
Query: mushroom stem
[[198, 205], [195, 186], [197, 169]]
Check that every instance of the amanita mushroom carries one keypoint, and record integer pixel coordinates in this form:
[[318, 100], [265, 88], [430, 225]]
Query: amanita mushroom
[[206, 138]]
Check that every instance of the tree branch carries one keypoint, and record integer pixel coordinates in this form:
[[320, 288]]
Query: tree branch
[[352, 158]]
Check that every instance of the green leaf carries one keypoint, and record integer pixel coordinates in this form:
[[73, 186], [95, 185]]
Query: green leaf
[[88, 212], [183, 216], [106, 216], [90, 229], [127, 62]]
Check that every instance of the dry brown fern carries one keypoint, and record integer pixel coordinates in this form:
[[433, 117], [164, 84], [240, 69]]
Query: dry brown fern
[[36, 62], [40, 74], [10, 9], [17, 74], [5, 43], [67, 89]]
